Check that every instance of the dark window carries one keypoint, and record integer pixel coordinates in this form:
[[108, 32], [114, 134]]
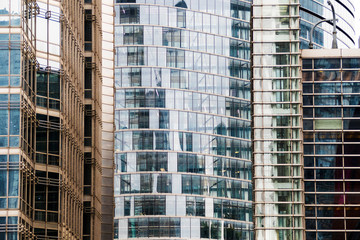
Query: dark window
[[129, 14]]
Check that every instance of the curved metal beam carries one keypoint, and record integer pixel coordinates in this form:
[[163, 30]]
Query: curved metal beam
[[311, 45], [334, 43]]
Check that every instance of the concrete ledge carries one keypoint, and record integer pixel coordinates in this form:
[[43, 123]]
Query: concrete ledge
[[330, 53]]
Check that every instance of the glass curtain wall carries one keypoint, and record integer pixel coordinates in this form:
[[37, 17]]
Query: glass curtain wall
[[183, 123], [277, 120], [312, 11], [16, 120], [331, 146]]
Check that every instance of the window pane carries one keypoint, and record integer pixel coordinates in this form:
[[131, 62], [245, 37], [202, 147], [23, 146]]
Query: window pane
[[4, 61], [4, 122], [3, 182]]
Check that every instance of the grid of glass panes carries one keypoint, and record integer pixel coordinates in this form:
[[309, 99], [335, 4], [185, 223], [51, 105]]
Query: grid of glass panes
[[331, 99], [312, 11], [10, 11], [9, 227], [182, 117], [9, 181], [277, 120], [9, 60], [11, 120]]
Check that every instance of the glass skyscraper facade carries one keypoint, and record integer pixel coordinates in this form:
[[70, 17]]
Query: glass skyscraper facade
[[331, 102], [277, 135], [183, 123], [312, 11], [215, 136], [50, 161]]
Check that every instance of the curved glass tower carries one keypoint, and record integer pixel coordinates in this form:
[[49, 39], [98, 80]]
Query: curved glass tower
[[182, 115], [312, 11]]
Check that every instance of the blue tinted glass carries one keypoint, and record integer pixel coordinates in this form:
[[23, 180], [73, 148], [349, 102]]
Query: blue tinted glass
[[14, 122], [351, 63], [4, 97], [14, 81], [15, 62], [331, 63], [13, 203], [13, 158], [15, 21], [351, 87], [351, 100], [14, 97], [3, 142], [12, 220], [2, 203], [13, 183], [3, 182], [328, 149], [15, 36], [327, 87], [4, 21], [4, 61], [328, 112], [13, 141], [4, 121], [4, 37], [12, 235], [4, 80], [328, 161]]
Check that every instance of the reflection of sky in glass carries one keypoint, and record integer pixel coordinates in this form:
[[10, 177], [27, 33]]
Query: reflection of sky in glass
[[6, 8], [15, 7], [48, 31]]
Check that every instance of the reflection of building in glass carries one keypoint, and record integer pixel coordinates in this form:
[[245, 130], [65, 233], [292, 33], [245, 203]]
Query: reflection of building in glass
[[277, 136], [182, 141], [331, 84], [107, 151], [47, 175], [312, 11]]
